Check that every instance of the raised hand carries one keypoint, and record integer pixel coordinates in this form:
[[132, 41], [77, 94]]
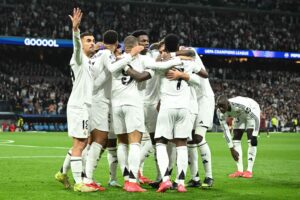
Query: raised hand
[[76, 18]]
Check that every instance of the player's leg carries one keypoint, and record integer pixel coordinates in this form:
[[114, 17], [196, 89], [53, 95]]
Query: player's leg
[[182, 132], [112, 159], [146, 149], [99, 141], [252, 150], [163, 133], [135, 126], [200, 139], [193, 163], [78, 129], [237, 137], [62, 176]]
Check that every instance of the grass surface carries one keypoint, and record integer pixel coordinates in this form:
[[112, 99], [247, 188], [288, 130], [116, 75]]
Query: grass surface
[[28, 165]]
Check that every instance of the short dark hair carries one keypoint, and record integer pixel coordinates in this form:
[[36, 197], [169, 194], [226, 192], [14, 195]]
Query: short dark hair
[[110, 37], [138, 33], [222, 99], [171, 42], [87, 33], [130, 41]]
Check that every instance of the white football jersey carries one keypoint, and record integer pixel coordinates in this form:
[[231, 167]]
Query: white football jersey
[[177, 93], [125, 90], [81, 75], [102, 82], [240, 107], [203, 88], [151, 94]]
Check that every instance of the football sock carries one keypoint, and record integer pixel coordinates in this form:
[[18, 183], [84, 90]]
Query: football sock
[[193, 161], [134, 157], [66, 166], [145, 152], [92, 161], [238, 147], [171, 149], [76, 168], [112, 162], [158, 175], [122, 154], [182, 163], [206, 158], [162, 160], [84, 156], [251, 156]]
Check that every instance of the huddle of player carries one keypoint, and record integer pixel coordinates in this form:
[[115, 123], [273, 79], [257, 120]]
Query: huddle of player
[[162, 90]]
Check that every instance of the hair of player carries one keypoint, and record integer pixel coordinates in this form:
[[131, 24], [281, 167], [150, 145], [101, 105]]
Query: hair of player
[[222, 99], [130, 41], [110, 37], [154, 46], [138, 33], [87, 33], [171, 42]]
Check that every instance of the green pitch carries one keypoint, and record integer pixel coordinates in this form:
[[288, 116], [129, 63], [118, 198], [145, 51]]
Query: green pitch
[[28, 165]]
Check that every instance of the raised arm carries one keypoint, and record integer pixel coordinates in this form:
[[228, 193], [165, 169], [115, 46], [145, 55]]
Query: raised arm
[[76, 19]]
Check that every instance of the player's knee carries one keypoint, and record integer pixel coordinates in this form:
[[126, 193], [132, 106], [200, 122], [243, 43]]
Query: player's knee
[[198, 139], [253, 141]]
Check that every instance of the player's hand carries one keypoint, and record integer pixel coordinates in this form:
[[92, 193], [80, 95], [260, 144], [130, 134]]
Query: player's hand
[[234, 154], [186, 58], [136, 50], [76, 18], [99, 46], [173, 74]]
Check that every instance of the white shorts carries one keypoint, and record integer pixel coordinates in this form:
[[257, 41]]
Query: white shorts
[[100, 116], [174, 123], [127, 119], [206, 105], [150, 117], [78, 121], [249, 121]]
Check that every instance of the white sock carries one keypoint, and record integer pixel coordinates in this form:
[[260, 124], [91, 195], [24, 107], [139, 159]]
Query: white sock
[[67, 163], [193, 161], [145, 152], [112, 162], [122, 154], [158, 175], [162, 160], [134, 157], [84, 156], [251, 156], [92, 161], [238, 147], [171, 148], [182, 163], [206, 158], [76, 168]]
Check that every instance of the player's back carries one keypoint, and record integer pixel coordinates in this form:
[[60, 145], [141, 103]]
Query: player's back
[[176, 93], [125, 90], [102, 88]]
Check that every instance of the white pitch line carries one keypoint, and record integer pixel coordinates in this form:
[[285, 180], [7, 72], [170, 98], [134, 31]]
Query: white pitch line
[[29, 157], [30, 146]]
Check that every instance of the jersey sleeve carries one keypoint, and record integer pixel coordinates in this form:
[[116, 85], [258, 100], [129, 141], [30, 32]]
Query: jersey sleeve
[[77, 53], [152, 64], [222, 119], [119, 64]]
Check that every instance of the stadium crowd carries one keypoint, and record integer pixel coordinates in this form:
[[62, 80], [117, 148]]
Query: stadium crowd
[[206, 28]]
